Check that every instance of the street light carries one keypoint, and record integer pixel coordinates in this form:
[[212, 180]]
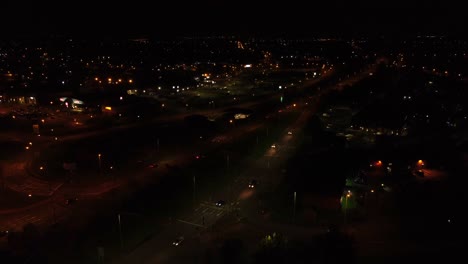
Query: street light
[[346, 206], [120, 225], [120, 232], [99, 158], [43, 169]]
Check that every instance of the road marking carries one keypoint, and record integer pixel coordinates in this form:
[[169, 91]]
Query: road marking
[[190, 223]]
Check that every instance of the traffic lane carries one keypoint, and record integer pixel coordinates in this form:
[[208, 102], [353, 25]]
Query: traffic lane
[[269, 168], [273, 160]]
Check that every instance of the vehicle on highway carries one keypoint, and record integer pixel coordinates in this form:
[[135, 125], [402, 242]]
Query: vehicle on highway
[[290, 132], [178, 241], [220, 203], [273, 145], [252, 184]]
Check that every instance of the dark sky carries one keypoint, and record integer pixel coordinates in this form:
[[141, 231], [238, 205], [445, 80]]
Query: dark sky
[[287, 17]]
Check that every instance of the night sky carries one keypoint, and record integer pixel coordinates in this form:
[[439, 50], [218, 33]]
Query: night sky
[[290, 18]]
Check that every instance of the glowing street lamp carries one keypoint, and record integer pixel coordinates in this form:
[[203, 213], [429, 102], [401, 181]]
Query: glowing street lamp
[[99, 158], [346, 205]]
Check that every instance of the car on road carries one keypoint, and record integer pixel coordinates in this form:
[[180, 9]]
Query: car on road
[[178, 241], [252, 184], [220, 203], [273, 145], [290, 132]]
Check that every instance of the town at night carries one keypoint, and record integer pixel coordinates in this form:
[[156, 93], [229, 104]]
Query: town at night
[[233, 133]]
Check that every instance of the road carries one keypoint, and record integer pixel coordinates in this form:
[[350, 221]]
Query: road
[[197, 225]]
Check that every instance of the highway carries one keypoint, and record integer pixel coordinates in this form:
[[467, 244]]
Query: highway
[[198, 226]]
